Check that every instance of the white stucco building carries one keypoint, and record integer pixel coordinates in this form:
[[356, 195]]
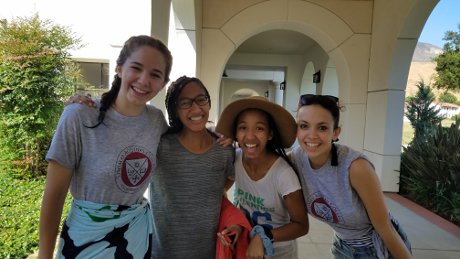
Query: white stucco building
[[361, 50], [448, 110]]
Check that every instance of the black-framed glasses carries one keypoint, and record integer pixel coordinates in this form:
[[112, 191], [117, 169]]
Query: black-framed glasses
[[307, 99], [186, 103]]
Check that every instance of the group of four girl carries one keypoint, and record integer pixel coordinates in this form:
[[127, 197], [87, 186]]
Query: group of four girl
[[108, 156]]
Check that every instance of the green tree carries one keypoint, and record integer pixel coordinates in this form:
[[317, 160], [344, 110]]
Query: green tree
[[36, 74], [448, 63], [421, 114], [447, 97]]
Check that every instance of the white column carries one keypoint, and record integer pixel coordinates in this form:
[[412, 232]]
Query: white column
[[160, 29], [382, 141]]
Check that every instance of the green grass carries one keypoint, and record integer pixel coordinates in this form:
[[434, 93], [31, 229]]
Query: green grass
[[20, 214], [447, 122], [408, 131]]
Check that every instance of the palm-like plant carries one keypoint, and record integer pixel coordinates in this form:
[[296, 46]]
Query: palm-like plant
[[430, 171]]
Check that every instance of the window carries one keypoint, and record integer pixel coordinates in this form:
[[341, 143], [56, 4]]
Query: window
[[96, 74]]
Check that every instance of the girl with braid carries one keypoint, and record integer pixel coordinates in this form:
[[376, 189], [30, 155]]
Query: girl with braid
[[104, 156]]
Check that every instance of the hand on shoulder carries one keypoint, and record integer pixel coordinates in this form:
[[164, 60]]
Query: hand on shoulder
[[81, 99]]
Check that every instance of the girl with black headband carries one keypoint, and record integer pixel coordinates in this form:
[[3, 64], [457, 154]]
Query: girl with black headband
[[341, 187]]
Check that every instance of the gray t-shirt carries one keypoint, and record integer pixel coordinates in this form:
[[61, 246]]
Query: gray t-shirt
[[329, 195], [185, 194], [112, 163]]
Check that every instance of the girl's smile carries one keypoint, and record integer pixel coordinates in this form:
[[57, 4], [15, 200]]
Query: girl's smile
[[315, 133], [253, 132]]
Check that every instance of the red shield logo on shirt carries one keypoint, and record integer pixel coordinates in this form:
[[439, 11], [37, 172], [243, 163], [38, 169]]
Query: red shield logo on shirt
[[134, 166], [135, 170], [321, 209]]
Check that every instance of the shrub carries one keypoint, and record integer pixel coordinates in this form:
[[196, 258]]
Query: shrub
[[430, 171], [36, 75], [20, 215], [447, 97]]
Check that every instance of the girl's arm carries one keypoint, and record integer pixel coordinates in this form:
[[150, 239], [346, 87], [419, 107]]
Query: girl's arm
[[255, 248], [296, 228], [299, 219], [366, 183], [57, 184]]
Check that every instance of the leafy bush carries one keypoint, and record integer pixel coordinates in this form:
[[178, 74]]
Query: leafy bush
[[448, 62], [36, 75], [447, 97], [20, 215], [430, 171]]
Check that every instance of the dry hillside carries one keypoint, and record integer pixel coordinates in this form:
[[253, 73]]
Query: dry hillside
[[423, 68]]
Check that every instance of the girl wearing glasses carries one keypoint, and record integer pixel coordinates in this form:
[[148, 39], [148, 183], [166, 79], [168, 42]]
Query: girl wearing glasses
[[193, 173], [267, 188], [341, 187]]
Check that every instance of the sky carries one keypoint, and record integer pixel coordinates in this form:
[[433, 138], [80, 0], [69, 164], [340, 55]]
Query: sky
[[88, 19], [445, 17]]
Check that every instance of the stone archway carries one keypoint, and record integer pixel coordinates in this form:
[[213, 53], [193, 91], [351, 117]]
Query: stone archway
[[334, 37]]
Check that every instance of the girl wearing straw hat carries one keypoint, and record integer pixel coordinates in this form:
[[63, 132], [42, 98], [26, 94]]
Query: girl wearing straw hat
[[267, 188]]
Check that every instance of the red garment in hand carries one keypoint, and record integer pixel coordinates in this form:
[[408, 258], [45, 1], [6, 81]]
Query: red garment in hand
[[231, 215]]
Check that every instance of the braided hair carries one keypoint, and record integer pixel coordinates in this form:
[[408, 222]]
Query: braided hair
[[130, 46]]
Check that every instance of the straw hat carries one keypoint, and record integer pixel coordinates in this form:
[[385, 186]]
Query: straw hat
[[283, 119]]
